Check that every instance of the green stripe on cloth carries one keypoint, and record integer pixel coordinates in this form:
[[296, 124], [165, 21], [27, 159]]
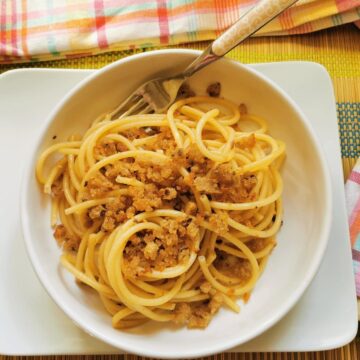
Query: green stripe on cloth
[[50, 37], [336, 19]]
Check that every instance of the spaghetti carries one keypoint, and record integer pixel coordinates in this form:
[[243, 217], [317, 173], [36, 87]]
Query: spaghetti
[[168, 216]]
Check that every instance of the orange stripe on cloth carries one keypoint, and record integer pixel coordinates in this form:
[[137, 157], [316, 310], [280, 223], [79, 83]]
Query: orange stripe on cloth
[[3, 50], [24, 28], [354, 230], [219, 4], [14, 28], [100, 22], [344, 5], [162, 14], [285, 20], [302, 14]]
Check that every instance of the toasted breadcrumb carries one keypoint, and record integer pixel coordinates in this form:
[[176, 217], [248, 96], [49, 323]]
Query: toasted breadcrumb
[[200, 318], [109, 222], [204, 184], [56, 188], [96, 212], [233, 266], [157, 250], [205, 287], [216, 302], [168, 193], [99, 185], [135, 133], [219, 221], [145, 198], [214, 89], [192, 230], [190, 208], [182, 313], [233, 187], [185, 91], [105, 148], [246, 142], [198, 315], [243, 109], [257, 245], [150, 251], [66, 240]]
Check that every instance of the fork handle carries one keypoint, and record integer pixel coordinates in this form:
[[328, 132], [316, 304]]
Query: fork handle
[[248, 24]]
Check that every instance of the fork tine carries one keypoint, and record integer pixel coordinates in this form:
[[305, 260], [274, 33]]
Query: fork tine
[[147, 110], [133, 98], [135, 108]]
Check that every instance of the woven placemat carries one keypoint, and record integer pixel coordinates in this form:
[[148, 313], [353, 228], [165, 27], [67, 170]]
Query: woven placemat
[[338, 49]]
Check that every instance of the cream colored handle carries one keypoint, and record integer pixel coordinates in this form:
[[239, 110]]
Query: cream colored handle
[[252, 21]]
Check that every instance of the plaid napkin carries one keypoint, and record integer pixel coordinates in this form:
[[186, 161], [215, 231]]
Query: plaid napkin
[[352, 190], [33, 30]]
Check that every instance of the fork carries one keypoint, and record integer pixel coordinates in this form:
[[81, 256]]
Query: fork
[[157, 95]]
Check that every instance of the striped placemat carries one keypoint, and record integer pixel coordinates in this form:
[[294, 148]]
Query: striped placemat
[[338, 50]]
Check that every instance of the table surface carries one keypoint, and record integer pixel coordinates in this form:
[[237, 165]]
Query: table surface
[[338, 49]]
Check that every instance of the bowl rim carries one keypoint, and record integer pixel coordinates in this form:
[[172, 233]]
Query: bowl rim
[[212, 348]]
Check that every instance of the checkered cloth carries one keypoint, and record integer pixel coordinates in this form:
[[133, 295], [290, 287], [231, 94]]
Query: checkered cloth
[[352, 188], [33, 30]]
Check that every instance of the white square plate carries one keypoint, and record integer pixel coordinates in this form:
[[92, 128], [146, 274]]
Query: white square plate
[[31, 324]]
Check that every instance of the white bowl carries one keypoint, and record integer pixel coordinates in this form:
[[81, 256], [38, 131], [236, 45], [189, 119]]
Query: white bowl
[[301, 241]]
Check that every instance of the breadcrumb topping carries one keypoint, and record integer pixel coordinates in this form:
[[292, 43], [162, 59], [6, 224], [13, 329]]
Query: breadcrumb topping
[[160, 249], [233, 266], [66, 240], [198, 315], [150, 186]]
